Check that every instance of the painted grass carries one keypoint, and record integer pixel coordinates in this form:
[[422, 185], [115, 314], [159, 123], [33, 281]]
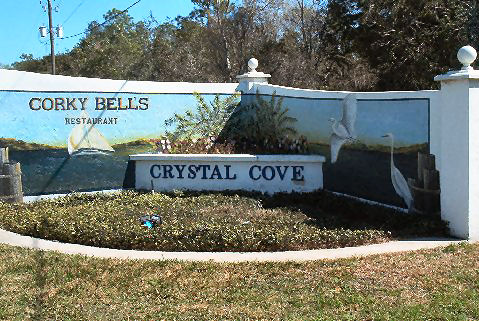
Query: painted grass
[[440, 284]]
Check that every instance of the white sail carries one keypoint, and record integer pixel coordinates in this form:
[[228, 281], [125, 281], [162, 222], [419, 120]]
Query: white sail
[[85, 137]]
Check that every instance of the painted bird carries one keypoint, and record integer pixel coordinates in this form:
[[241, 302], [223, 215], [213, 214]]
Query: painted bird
[[398, 180], [343, 131]]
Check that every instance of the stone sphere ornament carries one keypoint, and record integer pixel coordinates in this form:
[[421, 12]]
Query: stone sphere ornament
[[252, 64], [466, 56]]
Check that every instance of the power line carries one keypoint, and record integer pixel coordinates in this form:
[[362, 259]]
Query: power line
[[73, 12], [104, 22]]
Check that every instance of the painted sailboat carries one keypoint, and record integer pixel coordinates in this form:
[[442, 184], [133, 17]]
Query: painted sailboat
[[85, 139]]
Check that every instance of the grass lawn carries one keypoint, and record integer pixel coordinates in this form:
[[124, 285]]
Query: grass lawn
[[440, 284], [215, 221]]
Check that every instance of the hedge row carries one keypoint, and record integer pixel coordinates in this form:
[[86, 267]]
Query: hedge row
[[213, 221]]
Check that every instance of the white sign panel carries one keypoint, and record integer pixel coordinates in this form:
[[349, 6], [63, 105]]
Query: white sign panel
[[263, 173]]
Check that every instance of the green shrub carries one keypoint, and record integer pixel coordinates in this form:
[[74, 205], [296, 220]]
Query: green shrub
[[261, 121], [223, 127], [213, 221], [264, 127], [208, 120]]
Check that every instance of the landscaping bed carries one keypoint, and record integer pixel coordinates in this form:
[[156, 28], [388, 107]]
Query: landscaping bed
[[214, 221]]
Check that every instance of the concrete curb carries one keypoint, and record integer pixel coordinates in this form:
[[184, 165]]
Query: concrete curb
[[14, 239]]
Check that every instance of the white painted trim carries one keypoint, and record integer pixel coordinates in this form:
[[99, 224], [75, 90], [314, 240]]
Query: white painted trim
[[229, 158], [369, 202], [253, 75], [29, 81], [457, 133], [269, 89], [36, 198]]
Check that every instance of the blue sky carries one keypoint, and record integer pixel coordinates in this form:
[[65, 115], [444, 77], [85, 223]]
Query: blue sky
[[20, 20]]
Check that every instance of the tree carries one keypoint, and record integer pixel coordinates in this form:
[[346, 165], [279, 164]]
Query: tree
[[317, 47], [114, 49], [321, 44], [42, 65], [28, 63], [233, 32], [408, 42]]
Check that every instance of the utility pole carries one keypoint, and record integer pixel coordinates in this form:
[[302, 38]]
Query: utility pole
[[52, 36], [43, 30]]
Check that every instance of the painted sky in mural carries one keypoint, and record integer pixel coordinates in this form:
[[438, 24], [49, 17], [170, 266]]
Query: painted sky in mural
[[408, 119], [48, 118]]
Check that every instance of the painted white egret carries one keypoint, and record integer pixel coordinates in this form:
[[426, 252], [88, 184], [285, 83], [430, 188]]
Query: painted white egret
[[398, 180], [343, 131]]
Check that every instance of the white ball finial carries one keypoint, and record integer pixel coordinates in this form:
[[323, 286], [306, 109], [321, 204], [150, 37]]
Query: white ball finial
[[252, 64], [466, 56]]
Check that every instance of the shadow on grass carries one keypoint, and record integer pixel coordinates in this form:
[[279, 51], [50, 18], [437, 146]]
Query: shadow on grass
[[40, 282]]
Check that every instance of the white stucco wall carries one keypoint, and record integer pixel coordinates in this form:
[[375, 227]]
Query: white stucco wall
[[453, 124], [29, 81], [474, 160], [459, 99], [318, 94]]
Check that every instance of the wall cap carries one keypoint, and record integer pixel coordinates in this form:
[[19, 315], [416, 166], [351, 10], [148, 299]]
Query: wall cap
[[252, 75], [14, 80], [466, 56], [458, 75]]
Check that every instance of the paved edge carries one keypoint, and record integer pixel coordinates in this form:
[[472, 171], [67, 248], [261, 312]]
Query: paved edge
[[15, 239]]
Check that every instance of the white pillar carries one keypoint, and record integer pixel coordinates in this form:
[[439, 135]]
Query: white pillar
[[459, 151], [247, 80]]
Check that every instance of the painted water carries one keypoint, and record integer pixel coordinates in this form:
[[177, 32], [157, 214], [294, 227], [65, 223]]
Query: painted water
[[362, 173], [54, 171], [367, 173]]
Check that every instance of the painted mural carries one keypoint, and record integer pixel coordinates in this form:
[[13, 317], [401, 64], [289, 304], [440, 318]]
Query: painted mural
[[78, 141], [371, 145]]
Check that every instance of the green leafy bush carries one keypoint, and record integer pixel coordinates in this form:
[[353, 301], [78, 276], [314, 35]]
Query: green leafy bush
[[261, 121], [284, 145], [213, 221], [264, 127], [223, 127], [208, 120]]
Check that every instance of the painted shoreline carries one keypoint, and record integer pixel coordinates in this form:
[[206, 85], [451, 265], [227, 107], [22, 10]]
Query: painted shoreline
[[20, 145]]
